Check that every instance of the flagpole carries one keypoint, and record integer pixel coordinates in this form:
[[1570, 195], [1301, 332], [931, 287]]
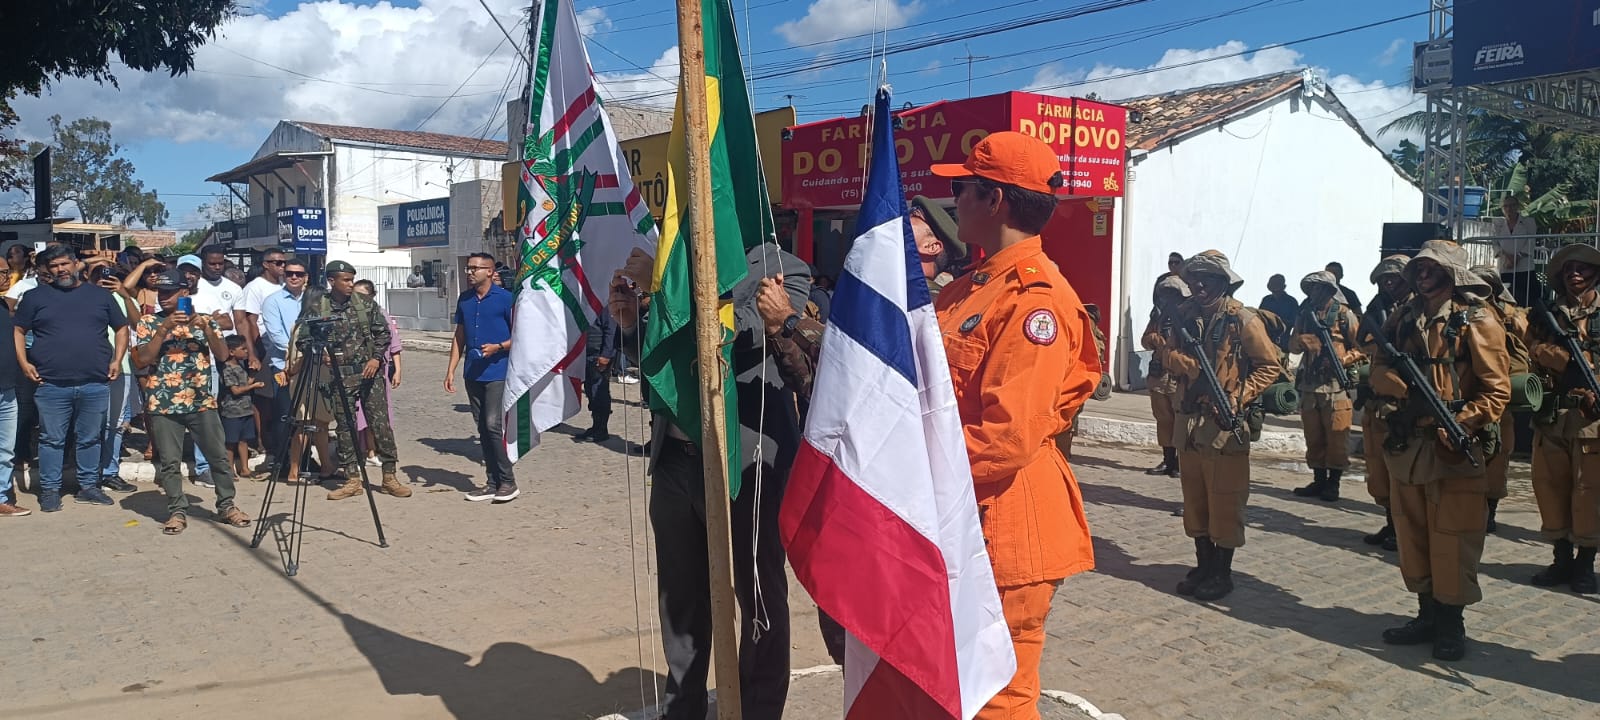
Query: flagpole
[[708, 344]]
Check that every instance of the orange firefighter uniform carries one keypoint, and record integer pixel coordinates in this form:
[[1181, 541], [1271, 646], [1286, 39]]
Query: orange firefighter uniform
[[1566, 445]]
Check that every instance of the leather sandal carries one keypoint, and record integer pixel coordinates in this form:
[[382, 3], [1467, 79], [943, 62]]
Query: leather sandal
[[175, 524], [235, 517]]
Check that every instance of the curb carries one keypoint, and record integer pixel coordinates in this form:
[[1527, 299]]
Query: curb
[[1057, 696], [425, 344], [1129, 432]]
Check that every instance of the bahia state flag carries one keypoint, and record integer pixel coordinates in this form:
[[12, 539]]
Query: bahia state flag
[[581, 215], [880, 519]]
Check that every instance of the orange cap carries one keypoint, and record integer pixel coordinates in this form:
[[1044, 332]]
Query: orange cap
[[1012, 158]]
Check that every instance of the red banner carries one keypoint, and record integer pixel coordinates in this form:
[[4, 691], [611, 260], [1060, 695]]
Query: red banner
[[823, 162]]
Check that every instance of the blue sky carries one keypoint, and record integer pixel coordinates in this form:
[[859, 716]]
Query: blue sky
[[393, 64]]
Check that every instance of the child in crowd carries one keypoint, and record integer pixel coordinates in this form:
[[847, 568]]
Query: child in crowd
[[235, 406]]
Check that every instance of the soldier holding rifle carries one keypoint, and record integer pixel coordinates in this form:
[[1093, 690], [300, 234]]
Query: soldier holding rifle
[[1222, 358], [1170, 292], [1442, 363], [1566, 445], [1515, 321], [1393, 291], [1322, 335]]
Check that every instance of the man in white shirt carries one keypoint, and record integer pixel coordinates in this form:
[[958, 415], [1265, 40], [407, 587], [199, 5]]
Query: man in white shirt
[[416, 279], [1516, 253], [247, 312], [214, 294]]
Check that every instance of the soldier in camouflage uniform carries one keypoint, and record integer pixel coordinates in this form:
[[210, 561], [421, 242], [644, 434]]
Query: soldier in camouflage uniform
[[356, 342]]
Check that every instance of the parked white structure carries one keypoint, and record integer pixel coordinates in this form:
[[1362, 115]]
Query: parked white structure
[[1273, 171], [351, 171]]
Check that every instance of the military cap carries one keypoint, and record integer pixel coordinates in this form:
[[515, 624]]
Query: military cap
[[339, 266], [943, 226]]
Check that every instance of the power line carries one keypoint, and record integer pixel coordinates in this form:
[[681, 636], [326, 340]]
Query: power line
[[464, 82], [503, 31], [313, 78]]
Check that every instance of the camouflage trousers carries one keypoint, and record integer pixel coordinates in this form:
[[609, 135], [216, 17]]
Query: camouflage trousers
[[375, 405]]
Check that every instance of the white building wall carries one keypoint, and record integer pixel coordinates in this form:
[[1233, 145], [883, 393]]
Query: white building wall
[[366, 177], [1285, 189]]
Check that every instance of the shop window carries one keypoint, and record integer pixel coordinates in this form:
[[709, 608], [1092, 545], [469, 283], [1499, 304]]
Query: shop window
[[300, 196]]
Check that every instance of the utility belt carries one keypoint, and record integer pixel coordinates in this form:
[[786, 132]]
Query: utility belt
[[1406, 427], [350, 372], [1253, 415]]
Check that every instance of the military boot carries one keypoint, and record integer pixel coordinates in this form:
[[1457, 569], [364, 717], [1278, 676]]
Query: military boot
[[1319, 478], [1330, 489], [1489, 524], [1204, 554], [351, 487], [1450, 634], [1560, 571], [1583, 572], [1169, 460], [1219, 582], [1420, 629], [392, 485], [1385, 535], [1174, 468]]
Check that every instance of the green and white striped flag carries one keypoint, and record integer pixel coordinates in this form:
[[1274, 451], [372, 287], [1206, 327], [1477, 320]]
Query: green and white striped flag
[[581, 219]]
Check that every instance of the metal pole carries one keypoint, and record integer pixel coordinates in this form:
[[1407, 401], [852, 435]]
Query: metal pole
[[708, 342]]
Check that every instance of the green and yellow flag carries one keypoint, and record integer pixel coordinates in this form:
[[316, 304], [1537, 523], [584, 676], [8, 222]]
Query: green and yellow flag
[[742, 218]]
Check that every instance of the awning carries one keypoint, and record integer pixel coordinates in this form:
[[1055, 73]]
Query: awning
[[261, 165]]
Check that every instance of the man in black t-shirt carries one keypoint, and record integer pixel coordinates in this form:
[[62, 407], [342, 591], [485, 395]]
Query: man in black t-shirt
[[79, 337]]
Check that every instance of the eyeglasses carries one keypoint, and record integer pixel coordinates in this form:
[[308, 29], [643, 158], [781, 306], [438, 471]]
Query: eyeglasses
[[295, 273], [959, 183], [479, 268]]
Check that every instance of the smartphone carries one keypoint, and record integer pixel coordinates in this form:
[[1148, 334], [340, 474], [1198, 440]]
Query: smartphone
[[186, 305]]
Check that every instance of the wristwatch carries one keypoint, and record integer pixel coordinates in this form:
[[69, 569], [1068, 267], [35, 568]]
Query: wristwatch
[[789, 324]]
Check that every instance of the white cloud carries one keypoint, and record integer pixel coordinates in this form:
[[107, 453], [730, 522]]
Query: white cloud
[[827, 20], [1387, 57], [592, 20], [655, 88], [1371, 103], [379, 65]]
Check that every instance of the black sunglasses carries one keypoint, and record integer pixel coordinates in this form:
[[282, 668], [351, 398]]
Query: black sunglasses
[[959, 183], [296, 273]]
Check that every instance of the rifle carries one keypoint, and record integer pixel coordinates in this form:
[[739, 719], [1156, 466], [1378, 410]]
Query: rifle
[[1340, 372], [1569, 342], [1226, 417], [1422, 387]]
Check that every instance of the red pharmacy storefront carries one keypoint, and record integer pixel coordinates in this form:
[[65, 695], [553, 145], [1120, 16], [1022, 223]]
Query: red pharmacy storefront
[[823, 174]]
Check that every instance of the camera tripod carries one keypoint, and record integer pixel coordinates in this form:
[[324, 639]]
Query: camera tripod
[[304, 390]]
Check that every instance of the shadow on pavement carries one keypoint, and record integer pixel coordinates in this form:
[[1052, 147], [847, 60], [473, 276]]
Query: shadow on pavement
[[430, 477], [464, 447], [511, 679], [1267, 605]]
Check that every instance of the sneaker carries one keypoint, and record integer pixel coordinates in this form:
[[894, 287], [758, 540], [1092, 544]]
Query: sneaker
[[205, 482], [115, 483], [486, 492], [49, 501], [9, 510], [628, 380], [506, 493], [92, 496], [375, 461]]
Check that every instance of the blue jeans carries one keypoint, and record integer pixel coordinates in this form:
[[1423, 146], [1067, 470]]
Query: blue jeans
[[8, 437], [122, 401], [80, 409]]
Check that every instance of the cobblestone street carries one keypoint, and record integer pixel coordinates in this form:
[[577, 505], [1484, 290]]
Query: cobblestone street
[[527, 610]]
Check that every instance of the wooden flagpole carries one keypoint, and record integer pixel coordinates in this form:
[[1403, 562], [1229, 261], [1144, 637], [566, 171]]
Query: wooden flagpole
[[708, 344]]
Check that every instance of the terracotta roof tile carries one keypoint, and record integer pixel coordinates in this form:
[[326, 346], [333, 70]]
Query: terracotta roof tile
[[1172, 114], [407, 138]]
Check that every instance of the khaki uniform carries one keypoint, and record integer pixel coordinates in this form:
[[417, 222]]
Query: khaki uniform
[[1436, 496], [1215, 467], [1375, 413], [1325, 405], [1566, 448], [1162, 386], [1515, 321]]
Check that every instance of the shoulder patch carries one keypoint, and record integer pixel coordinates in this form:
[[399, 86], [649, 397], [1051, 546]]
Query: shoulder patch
[[1041, 327], [971, 323]]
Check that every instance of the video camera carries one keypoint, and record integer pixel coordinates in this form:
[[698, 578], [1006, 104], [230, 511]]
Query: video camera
[[319, 329]]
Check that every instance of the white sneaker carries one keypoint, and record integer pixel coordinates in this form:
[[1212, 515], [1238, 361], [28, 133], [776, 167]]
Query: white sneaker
[[628, 380], [375, 461]]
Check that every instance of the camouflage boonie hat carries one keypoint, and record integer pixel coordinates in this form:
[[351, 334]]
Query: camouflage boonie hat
[[1453, 258], [1579, 252], [1309, 283], [1392, 265], [1497, 289], [1170, 282], [1210, 262]]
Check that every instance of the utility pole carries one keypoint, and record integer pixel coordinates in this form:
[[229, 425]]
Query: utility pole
[[708, 341], [969, 57]]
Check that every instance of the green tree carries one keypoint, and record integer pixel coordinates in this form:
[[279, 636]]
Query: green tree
[[1408, 157], [43, 42], [87, 172]]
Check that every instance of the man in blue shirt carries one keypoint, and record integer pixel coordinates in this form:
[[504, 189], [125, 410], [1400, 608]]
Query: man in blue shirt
[[278, 314], [73, 358], [483, 334]]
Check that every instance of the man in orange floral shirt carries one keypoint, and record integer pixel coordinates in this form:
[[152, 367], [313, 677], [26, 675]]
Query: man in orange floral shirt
[[174, 351]]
